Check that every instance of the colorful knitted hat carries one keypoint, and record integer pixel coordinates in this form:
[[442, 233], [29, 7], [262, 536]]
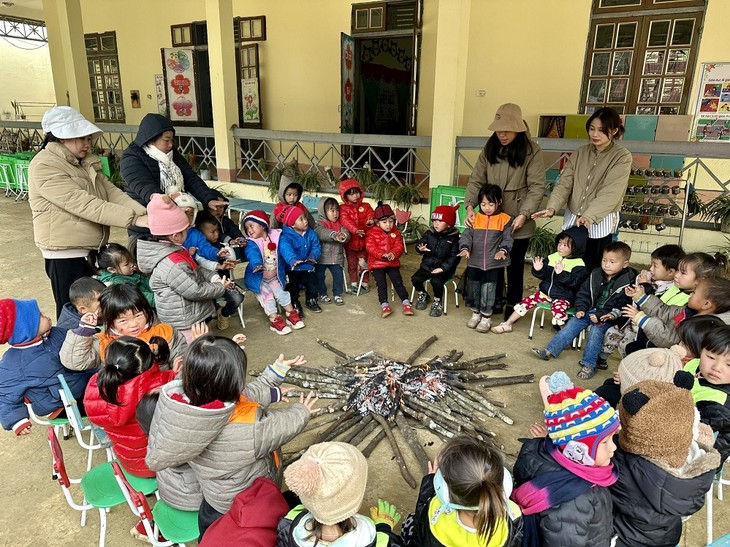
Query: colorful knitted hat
[[164, 217], [650, 364], [445, 213], [19, 321], [257, 216], [291, 214], [577, 419], [330, 479], [383, 210], [657, 419]]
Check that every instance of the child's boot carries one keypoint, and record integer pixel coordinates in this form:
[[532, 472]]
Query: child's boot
[[223, 322], [279, 326], [422, 301], [474, 320], [294, 320]]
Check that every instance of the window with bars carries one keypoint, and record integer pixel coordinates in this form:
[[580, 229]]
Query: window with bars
[[104, 78], [641, 62]]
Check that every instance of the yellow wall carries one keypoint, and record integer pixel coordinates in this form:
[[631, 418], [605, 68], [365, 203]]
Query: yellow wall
[[33, 83]]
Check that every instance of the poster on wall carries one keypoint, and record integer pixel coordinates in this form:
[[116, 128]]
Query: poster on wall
[[712, 109], [250, 98], [347, 51], [160, 94], [180, 84]]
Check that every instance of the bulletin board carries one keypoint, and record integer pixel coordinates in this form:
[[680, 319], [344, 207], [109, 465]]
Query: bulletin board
[[712, 108], [179, 69]]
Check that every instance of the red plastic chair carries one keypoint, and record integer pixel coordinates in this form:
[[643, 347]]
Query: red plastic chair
[[401, 218]]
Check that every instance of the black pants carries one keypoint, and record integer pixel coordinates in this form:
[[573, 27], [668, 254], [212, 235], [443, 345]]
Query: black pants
[[395, 278], [641, 342], [297, 279], [611, 391], [206, 516], [515, 274], [437, 281], [63, 272], [594, 251]]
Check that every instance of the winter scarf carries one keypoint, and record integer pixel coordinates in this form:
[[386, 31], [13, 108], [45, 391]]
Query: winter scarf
[[170, 174], [557, 487]]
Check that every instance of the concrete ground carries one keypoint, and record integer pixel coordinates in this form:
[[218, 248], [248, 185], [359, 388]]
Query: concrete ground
[[35, 513]]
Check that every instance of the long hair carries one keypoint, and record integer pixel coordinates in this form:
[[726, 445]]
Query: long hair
[[610, 122], [515, 152], [50, 137], [215, 369], [128, 357], [704, 265], [474, 472], [110, 255], [120, 298], [717, 291]]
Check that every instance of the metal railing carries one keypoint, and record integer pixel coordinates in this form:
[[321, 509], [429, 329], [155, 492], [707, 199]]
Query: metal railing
[[395, 159]]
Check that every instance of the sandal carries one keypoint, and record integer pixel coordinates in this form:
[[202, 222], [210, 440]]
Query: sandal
[[502, 328], [586, 373]]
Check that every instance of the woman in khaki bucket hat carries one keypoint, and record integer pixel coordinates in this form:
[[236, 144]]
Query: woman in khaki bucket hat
[[514, 163]]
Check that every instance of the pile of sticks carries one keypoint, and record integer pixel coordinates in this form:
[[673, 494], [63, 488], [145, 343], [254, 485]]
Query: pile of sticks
[[370, 392]]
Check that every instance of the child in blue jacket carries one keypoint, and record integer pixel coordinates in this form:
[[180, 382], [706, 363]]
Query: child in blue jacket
[[31, 366], [300, 250]]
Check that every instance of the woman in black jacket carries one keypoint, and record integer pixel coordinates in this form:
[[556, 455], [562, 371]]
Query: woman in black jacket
[[152, 165]]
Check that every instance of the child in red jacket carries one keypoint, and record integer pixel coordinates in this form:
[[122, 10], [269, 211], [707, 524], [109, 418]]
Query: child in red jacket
[[357, 217], [384, 246]]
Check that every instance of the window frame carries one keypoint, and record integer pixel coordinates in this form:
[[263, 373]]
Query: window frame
[[99, 56], [241, 21]]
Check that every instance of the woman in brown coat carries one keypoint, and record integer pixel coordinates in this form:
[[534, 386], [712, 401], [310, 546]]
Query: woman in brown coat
[[514, 163], [72, 202]]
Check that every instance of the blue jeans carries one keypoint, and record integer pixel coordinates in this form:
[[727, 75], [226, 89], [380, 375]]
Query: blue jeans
[[574, 326], [233, 299], [338, 281]]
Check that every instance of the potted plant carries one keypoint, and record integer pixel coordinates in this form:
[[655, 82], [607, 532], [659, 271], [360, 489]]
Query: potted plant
[[543, 242], [406, 195], [718, 211]]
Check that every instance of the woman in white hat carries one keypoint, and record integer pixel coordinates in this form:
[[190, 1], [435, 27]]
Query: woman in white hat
[[514, 163], [72, 202], [592, 184]]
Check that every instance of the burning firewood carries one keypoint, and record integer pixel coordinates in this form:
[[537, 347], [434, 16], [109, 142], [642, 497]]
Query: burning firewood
[[375, 394]]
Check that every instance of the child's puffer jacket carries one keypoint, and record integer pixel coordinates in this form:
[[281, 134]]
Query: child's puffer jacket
[[378, 243], [485, 238], [444, 249], [565, 285], [255, 254], [294, 246], [354, 216]]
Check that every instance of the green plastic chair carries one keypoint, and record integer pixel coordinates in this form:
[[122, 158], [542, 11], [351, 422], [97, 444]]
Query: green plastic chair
[[545, 307], [164, 524], [99, 486]]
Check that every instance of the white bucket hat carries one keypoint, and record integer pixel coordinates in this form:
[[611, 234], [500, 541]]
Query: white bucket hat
[[66, 122]]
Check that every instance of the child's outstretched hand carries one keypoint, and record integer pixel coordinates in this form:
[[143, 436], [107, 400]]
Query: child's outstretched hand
[[464, 253], [239, 339], [385, 513], [432, 467], [310, 401], [223, 252], [616, 378], [285, 391], [25, 431], [198, 330], [538, 430], [238, 242], [192, 250], [177, 364], [423, 248], [559, 267], [537, 263], [299, 360], [629, 311]]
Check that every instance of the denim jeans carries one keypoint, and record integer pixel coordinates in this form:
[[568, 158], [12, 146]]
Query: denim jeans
[[482, 296], [233, 299], [338, 281], [594, 339]]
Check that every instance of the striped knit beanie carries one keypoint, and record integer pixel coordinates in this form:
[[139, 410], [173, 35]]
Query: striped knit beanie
[[577, 419], [259, 217]]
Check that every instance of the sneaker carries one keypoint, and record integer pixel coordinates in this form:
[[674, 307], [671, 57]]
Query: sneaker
[[543, 354], [353, 288], [407, 309], [294, 320], [223, 321], [385, 310], [279, 326], [325, 299], [422, 301], [363, 288], [502, 328], [298, 308], [485, 323], [338, 301], [474, 321], [140, 534], [312, 305], [437, 309]]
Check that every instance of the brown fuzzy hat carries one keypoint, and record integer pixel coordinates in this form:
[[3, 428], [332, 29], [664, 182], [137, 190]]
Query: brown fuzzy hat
[[657, 420], [650, 364], [330, 479]]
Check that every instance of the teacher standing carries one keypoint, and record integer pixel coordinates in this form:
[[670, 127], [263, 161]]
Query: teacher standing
[[514, 163], [593, 183]]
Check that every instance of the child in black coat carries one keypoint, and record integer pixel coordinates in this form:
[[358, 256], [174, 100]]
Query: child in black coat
[[440, 249]]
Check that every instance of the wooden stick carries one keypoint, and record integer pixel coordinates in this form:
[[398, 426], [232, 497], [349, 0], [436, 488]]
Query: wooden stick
[[412, 441], [327, 345], [505, 381], [396, 451], [479, 360], [362, 435], [420, 349], [359, 426], [340, 429], [346, 416], [372, 444], [488, 366]]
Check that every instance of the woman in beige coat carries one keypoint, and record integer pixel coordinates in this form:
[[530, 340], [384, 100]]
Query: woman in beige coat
[[72, 202], [592, 184], [514, 163]]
